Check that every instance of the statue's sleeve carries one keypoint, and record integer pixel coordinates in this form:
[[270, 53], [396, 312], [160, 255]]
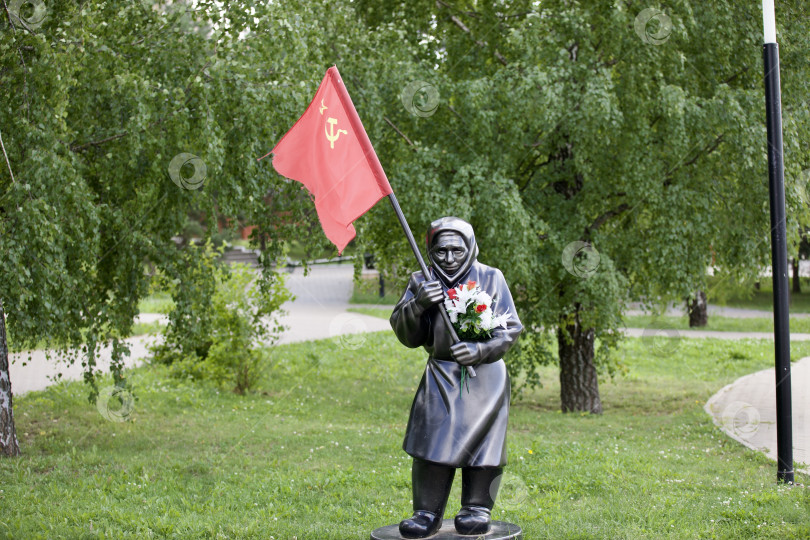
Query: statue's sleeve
[[410, 322], [502, 339]]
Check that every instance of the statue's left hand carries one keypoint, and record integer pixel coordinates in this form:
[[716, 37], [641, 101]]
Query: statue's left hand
[[465, 353]]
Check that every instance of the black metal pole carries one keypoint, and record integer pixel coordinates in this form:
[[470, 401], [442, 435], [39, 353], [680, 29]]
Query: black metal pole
[[423, 267], [776, 176]]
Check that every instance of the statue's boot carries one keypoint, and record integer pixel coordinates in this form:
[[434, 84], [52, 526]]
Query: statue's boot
[[431, 487], [479, 488]]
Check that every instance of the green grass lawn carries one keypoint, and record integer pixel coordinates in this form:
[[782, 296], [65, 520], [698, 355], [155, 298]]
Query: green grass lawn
[[716, 322], [381, 312], [156, 303], [763, 298], [367, 291], [316, 453]]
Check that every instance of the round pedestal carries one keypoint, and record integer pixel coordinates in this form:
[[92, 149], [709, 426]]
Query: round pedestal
[[500, 530]]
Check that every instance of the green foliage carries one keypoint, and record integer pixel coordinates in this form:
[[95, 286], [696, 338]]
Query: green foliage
[[245, 322], [320, 445], [221, 316], [223, 237], [534, 349], [192, 282], [97, 101], [554, 122], [557, 123]]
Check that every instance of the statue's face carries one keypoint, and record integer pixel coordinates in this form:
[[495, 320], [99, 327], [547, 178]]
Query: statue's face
[[449, 252]]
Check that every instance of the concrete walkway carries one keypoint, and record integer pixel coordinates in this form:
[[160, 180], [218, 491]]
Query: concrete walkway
[[44, 368], [319, 309], [746, 411]]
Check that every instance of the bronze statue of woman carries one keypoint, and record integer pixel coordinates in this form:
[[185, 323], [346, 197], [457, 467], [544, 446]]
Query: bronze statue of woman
[[452, 427]]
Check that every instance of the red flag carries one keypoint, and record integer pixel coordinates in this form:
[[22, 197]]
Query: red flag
[[329, 152]]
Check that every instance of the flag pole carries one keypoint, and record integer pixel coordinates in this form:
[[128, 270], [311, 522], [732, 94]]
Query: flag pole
[[776, 177], [423, 267], [376, 167]]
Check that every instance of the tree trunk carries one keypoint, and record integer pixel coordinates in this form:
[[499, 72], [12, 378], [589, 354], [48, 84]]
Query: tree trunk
[[797, 286], [8, 434], [579, 385], [698, 309]]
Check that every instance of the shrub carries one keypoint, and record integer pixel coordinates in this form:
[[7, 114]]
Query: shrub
[[224, 321]]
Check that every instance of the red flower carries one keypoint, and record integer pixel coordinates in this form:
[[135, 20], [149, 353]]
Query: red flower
[[470, 285], [451, 294], [480, 308]]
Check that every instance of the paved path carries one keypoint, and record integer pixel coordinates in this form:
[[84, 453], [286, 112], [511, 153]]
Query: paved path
[[39, 372], [321, 301], [746, 411]]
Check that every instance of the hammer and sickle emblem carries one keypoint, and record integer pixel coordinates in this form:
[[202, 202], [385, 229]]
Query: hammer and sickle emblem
[[331, 134]]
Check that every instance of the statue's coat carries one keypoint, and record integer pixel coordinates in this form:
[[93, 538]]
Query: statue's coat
[[449, 425]]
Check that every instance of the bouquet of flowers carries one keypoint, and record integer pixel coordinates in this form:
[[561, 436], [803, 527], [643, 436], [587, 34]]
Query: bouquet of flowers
[[470, 310]]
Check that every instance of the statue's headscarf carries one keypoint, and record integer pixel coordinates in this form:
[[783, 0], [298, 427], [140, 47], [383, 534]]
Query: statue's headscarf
[[456, 225]]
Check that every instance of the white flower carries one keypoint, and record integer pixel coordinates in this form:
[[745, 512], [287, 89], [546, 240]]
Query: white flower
[[483, 298], [454, 307], [486, 319], [500, 320], [465, 295]]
